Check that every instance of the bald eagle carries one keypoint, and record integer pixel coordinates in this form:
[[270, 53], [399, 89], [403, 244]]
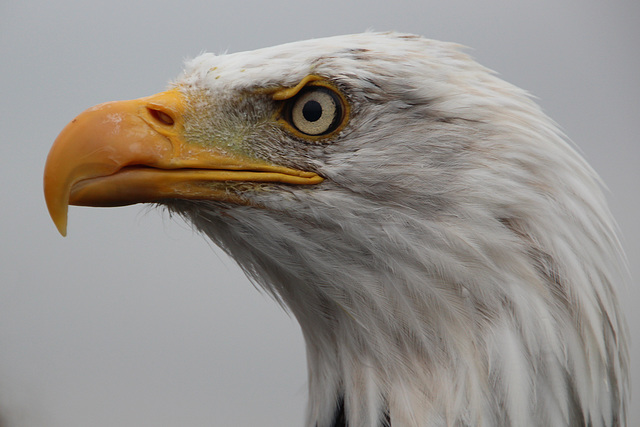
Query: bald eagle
[[449, 256]]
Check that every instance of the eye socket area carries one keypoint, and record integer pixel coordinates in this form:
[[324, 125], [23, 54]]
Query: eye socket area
[[315, 111]]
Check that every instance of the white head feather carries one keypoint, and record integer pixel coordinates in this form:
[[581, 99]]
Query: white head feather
[[457, 265]]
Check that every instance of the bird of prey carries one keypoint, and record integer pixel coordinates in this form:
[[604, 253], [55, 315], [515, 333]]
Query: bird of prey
[[449, 256]]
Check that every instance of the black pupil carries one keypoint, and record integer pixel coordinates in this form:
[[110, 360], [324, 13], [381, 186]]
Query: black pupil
[[312, 111]]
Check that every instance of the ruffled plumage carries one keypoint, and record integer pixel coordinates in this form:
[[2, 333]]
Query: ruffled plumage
[[456, 267]]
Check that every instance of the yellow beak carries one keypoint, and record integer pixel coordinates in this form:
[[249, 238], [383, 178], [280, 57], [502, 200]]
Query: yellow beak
[[126, 152]]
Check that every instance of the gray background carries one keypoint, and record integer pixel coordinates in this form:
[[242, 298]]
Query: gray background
[[134, 320]]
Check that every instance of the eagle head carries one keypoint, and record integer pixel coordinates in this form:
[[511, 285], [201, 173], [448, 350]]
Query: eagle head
[[449, 256]]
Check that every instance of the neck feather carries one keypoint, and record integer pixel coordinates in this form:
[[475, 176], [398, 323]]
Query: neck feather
[[419, 320]]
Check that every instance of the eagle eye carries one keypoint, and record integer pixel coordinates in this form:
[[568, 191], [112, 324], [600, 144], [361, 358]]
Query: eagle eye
[[316, 111]]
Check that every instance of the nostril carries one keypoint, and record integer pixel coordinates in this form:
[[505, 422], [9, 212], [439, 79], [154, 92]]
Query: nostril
[[161, 116]]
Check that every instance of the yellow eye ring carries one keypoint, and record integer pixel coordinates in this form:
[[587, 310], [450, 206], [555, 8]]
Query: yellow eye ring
[[314, 109]]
